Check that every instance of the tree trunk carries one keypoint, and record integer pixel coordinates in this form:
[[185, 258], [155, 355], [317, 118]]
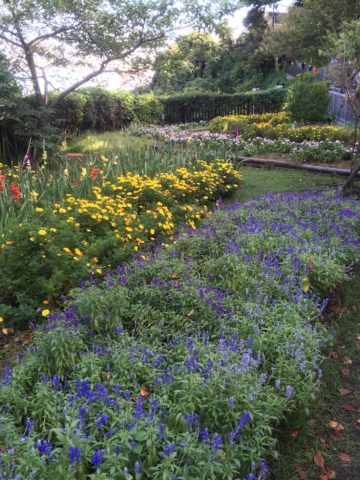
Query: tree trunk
[[355, 166], [347, 185]]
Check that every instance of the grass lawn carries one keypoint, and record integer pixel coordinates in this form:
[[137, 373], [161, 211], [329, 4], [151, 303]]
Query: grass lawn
[[260, 180], [105, 143]]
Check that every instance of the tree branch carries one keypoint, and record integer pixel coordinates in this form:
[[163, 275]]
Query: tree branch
[[78, 84], [9, 40], [102, 67], [52, 34]]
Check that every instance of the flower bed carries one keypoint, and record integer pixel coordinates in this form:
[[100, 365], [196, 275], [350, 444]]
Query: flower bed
[[275, 126], [179, 365], [59, 243], [326, 151]]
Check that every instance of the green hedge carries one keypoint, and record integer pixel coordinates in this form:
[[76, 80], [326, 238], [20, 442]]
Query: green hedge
[[103, 110], [197, 107]]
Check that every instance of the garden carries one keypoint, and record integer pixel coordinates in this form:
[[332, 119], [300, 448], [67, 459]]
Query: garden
[[168, 311]]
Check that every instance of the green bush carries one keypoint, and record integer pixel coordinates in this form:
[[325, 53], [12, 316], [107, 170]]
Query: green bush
[[308, 99], [197, 107], [102, 110]]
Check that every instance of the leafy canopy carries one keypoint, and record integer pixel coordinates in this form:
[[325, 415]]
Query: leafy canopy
[[41, 35]]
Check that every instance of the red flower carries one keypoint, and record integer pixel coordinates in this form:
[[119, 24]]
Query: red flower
[[14, 187], [94, 172], [2, 182]]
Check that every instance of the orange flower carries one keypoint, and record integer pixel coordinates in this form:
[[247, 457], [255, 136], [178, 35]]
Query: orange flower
[[2, 182], [94, 173], [14, 187]]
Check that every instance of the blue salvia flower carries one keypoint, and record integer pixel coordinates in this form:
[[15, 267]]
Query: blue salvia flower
[[74, 455], [289, 392], [97, 458]]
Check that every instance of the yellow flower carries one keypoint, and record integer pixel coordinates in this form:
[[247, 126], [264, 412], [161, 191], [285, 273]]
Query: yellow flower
[[45, 312], [33, 195], [1, 319], [42, 232], [39, 210]]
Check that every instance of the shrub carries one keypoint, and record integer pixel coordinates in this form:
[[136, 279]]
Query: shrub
[[197, 107], [308, 99]]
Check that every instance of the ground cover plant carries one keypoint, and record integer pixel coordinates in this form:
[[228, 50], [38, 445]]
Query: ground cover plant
[[86, 218], [180, 364], [225, 144]]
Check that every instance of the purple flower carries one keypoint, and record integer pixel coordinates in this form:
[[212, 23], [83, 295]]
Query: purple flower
[[216, 441], [137, 468], [244, 420], [169, 449], [102, 419], [204, 435], [29, 426], [74, 455], [289, 392], [45, 447], [97, 458]]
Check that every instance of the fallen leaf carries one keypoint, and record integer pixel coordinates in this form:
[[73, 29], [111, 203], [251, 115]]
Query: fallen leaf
[[336, 426], [305, 285], [331, 474], [347, 361], [336, 436], [345, 372], [350, 407], [344, 391], [344, 457], [319, 460], [145, 391], [312, 422], [300, 471], [310, 266], [334, 355]]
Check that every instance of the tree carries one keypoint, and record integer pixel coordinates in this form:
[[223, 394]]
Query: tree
[[304, 28], [39, 36], [9, 99], [345, 48], [244, 65], [190, 60]]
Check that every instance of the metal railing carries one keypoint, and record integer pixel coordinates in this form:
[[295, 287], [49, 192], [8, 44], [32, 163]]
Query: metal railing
[[340, 108]]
